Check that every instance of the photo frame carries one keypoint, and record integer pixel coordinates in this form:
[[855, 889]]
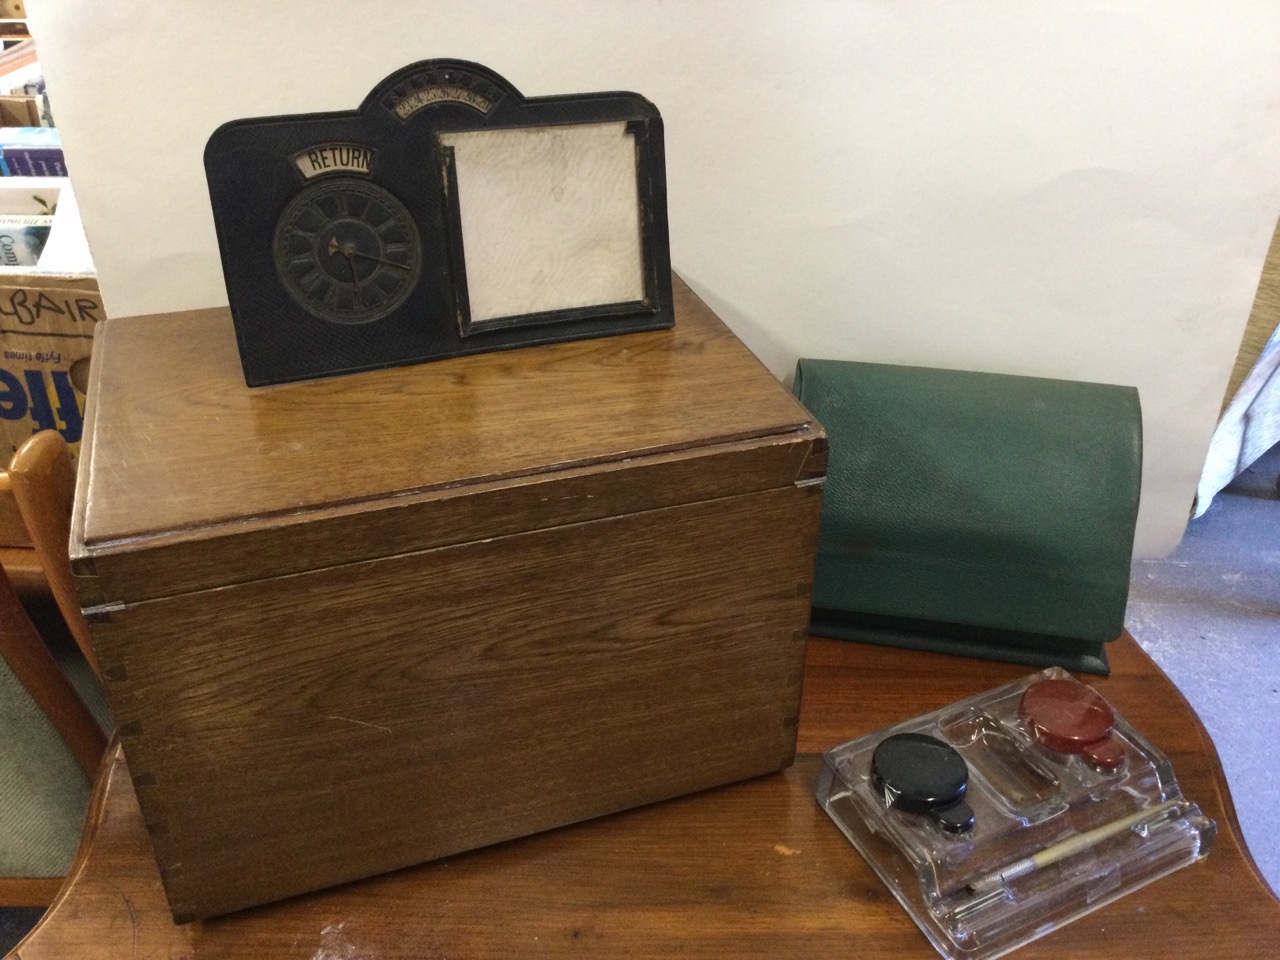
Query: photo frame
[[447, 215]]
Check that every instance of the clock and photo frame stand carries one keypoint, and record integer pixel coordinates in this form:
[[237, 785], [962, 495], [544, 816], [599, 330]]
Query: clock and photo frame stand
[[448, 215]]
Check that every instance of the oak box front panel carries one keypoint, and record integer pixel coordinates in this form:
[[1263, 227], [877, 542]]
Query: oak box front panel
[[295, 732]]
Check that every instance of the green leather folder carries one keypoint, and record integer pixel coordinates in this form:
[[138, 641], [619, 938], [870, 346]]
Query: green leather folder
[[979, 514]]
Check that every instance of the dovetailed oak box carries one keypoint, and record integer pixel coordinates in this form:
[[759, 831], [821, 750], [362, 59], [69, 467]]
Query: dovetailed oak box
[[353, 624]]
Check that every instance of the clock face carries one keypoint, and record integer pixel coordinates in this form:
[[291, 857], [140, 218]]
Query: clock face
[[347, 251]]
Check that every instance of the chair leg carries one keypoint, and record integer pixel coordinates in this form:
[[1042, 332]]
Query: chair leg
[[24, 650]]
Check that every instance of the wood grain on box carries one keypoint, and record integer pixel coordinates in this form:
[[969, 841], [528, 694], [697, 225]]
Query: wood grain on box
[[355, 624]]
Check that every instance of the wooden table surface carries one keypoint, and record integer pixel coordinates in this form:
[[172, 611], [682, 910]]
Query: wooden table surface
[[750, 870]]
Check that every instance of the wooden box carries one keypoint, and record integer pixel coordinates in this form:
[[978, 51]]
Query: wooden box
[[354, 624]]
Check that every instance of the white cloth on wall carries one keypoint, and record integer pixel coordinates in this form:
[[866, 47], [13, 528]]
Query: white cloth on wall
[[1248, 429]]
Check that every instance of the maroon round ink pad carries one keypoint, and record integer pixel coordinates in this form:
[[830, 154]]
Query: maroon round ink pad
[[1071, 718]]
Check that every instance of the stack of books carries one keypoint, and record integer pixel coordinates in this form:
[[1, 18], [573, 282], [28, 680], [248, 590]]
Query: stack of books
[[31, 152]]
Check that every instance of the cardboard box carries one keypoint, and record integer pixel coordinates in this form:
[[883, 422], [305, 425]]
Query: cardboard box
[[353, 624], [19, 110], [47, 317]]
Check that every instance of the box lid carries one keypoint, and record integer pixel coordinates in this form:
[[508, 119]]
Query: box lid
[[189, 479]]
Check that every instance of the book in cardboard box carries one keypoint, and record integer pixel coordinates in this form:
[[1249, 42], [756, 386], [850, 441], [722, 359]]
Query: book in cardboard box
[[31, 152]]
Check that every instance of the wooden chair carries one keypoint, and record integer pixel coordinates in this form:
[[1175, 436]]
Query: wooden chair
[[25, 652], [44, 485], [41, 481], [17, 555]]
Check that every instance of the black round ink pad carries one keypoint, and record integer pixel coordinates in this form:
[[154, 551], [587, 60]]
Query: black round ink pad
[[921, 774]]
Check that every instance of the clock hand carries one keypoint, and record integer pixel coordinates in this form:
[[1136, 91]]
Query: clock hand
[[389, 263], [347, 250], [355, 278]]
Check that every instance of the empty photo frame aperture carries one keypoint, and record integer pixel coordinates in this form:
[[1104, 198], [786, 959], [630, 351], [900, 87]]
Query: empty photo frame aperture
[[548, 221]]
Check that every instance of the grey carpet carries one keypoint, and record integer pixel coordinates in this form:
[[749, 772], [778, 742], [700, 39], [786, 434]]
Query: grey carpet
[[1210, 616]]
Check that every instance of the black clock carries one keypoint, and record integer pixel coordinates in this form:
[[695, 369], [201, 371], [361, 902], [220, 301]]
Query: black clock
[[347, 251], [448, 215]]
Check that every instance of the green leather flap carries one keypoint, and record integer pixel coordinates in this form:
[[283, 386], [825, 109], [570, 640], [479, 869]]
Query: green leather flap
[[978, 499]]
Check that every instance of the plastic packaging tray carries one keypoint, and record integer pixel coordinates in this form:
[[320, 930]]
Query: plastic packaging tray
[[1070, 808]]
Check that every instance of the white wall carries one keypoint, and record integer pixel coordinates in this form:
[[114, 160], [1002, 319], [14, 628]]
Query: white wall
[[1080, 190]]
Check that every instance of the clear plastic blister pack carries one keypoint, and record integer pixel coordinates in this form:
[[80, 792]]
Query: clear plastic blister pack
[[996, 820]]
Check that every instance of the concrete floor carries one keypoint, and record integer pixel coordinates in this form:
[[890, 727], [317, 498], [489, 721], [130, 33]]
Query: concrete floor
[[1210, 616]]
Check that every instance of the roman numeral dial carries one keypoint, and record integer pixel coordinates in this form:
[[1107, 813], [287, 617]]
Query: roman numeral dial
[[347, 251]]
